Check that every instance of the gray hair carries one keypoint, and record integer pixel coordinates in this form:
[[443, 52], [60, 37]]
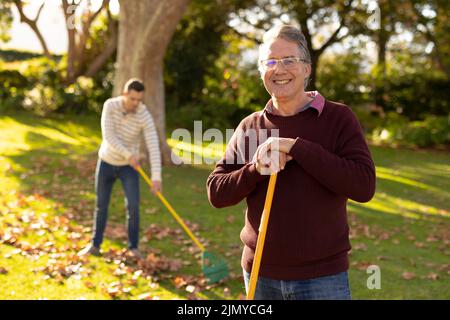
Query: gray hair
[[292, 34]]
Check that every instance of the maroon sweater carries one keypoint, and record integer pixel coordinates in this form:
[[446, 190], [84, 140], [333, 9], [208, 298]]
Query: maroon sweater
[[308, 234]]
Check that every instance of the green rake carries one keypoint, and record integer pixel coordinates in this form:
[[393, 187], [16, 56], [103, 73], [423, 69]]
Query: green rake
[[213, 267]]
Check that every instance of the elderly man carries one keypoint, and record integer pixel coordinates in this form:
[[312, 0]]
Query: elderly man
[[322, 159], [124, 121]]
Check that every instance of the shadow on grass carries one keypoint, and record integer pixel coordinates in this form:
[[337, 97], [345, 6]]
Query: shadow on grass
[[185, 188], [56, 161]]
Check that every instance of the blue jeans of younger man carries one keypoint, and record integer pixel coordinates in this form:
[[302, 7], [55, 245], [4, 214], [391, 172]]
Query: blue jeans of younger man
[[105, 176], [334, 287]]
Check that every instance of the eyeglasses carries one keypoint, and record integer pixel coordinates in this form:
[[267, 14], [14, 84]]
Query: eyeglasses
[[288, 63]]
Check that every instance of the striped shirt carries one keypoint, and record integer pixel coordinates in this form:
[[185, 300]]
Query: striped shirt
[[121, 133]]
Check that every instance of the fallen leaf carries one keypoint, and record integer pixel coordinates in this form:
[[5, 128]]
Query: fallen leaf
[[241, 297], [145, 296], [408, 275], [360, 246], [361, 265], [382, 258], [384, 236], [118, 232], [190, 288], [432, 276], [152, 210], [175, 264], [419, 244], [179, 282], [137, 274], [431, 239], [226, 292]]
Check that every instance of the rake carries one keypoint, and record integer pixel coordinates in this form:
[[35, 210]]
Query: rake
[[213, 267], [261, 237]]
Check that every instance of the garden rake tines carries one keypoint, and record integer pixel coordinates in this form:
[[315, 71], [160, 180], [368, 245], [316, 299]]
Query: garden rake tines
[[213, 267]]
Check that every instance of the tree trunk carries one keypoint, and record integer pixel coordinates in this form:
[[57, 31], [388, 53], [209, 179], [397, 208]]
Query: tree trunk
[[383, 36], [145, 30], [109, 50], [315, 63]]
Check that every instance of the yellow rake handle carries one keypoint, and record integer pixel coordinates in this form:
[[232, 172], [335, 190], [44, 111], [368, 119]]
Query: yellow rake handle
[[172, 211], [261, 237]]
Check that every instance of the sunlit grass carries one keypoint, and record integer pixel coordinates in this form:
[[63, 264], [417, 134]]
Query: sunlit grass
[[394, 175], [402, 207], [412, 199]]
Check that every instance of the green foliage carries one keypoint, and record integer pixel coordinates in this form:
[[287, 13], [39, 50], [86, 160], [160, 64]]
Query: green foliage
[[13, 83], [232, 90], [42, 99], [413, 87], [21, 55], [6, 19], [42, 92], [37, 86], [195, 45], [369, 122], [340, 78], [415, 95], [203, 71], [429, 132], [432, 131]]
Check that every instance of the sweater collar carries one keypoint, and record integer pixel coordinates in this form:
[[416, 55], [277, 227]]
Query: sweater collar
[[318, 103]]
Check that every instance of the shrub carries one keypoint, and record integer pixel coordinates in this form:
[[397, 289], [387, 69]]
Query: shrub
[[42, 99], [12, 93], [432, 131]]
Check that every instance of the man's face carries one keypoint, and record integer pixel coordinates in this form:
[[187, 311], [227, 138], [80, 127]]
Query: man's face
[[281, 82], [132, 100]]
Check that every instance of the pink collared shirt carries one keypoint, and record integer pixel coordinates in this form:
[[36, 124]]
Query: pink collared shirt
[[318, 103]]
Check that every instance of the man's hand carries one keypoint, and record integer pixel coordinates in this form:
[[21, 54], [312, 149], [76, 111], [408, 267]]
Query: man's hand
[[281, 144], [272, 155], [134, 161], [156, 186]]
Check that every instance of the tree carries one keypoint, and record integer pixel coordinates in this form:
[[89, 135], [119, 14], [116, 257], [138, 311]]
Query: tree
[[198, 42], [145, 30], [32, 23], [426, 20], [78, 37], [387, 15], [312, 16], [429, 19], [349, 15], [79, 32], [6, 19]]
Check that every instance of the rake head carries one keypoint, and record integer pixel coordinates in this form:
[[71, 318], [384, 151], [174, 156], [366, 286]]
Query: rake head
[[213, 267]]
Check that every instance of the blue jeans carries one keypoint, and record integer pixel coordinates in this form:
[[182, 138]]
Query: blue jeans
[[334, 287], [105, 176]]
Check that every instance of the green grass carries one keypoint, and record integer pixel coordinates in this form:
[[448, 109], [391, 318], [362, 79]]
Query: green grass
[[47, 169]]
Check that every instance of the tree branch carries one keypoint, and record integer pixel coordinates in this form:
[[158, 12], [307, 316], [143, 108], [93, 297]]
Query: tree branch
[[91, 18], [334, 38], [108, 51], [71, 35], [331, 40], [431, 38], [39, 12], [246, 36], [33, 25]]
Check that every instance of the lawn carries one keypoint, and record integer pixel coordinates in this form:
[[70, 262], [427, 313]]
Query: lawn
[[46, 202]]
